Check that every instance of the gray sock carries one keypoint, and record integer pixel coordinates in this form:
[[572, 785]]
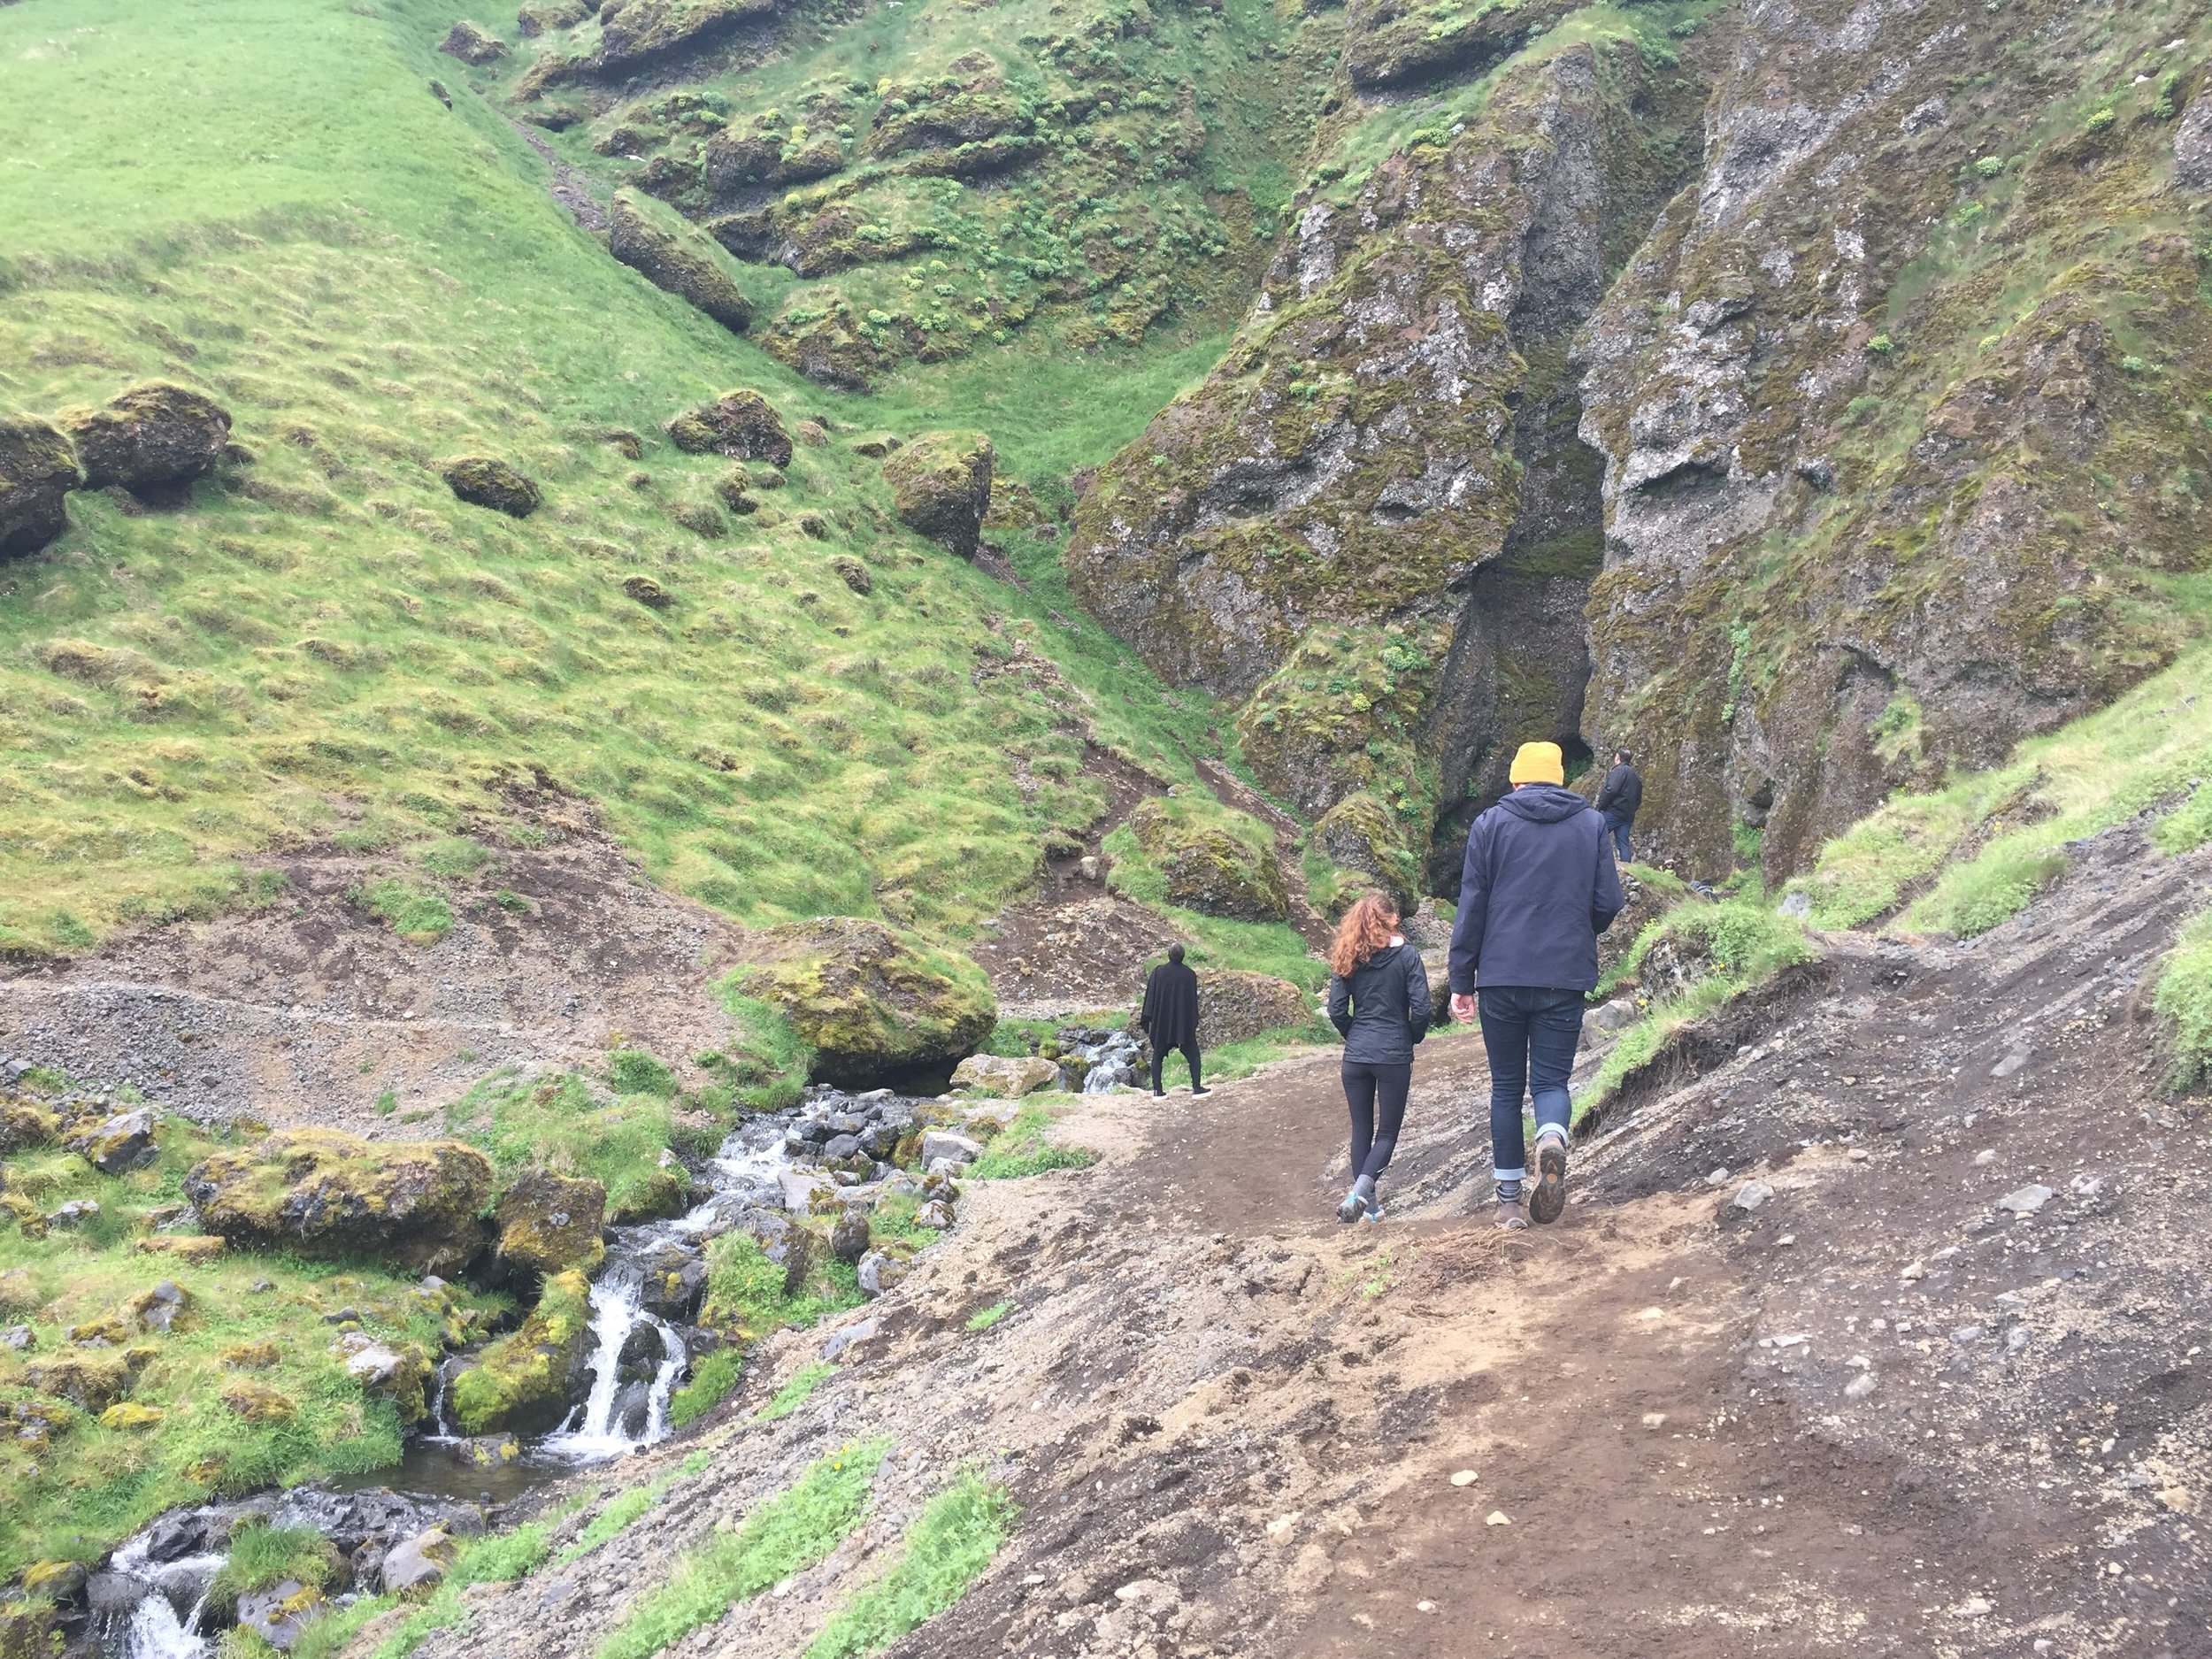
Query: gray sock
[[1509, 1192]]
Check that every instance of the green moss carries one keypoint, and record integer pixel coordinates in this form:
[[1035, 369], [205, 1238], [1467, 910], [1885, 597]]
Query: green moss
[[2185, 999], [260, 1555], [869, 999], [786, 1534], [418, 917], [945, 1551], [571, 1123], [750, 1296], [712, 1380], [520, 1383]]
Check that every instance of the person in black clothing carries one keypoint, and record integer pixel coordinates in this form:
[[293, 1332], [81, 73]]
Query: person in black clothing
[[1378, 1002], [1170, 1017], [1538, 889], [1619, 799]]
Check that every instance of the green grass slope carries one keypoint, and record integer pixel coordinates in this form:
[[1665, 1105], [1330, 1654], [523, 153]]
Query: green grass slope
[[262, 199]]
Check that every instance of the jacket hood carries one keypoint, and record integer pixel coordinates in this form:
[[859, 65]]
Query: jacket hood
[[1543, 802]]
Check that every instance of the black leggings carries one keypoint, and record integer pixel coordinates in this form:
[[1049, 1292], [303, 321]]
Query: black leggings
[[1363, 1084], [1190, 1058]]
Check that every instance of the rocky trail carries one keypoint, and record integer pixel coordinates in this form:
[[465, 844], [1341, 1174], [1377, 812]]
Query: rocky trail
[[1918, 1374]]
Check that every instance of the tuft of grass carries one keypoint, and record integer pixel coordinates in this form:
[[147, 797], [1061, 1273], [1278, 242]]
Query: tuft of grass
[[784, 1536], [711, 1381], [1021, 1149], [767, 1063], [2184, 997], [796, 1392], [989, 1316], [748, 1294], [572, 1124], [261, 1555], [946, 1550], [418, 917]]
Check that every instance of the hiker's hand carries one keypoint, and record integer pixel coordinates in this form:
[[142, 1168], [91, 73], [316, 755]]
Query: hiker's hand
[[1463, 1007]]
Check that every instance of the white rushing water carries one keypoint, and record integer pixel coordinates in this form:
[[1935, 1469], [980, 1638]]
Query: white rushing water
[[152, 1629], [593, 1430]]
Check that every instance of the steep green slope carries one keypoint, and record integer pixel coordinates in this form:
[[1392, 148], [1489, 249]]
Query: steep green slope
[[324, 643]]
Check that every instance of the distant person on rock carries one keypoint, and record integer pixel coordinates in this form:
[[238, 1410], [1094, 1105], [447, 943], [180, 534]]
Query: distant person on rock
[[1378, 1002], [1538, 888], [1619, 799], [1170, 1018]]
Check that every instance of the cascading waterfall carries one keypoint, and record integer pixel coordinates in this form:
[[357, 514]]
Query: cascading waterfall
[[600, 1427], [150, 1627]]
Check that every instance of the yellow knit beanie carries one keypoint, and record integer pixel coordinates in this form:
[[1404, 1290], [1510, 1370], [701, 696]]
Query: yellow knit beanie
[[1539, 763]]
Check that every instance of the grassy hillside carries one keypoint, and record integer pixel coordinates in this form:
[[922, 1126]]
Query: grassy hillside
[[264, 199]]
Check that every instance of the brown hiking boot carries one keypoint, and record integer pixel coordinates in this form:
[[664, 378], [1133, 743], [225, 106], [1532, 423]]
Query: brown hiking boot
[[1509, 1215], [1551, 1197]]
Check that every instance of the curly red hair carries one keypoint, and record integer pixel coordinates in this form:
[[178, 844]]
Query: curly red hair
[[1366, 928]]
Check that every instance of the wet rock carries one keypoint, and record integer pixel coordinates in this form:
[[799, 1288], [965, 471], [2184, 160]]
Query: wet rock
[[674, 1279], [838, 1148], [62, 1582], [676, 262], [633, 1408], [1008, 1078], [118, 1144], [152, 439], [1208, 866], [280, 1614], [174, 1537], [523, 1383], [485, 1451], [741, 424], [29, 1628], [940, 486], [871, 1000], [37, 471], [848, 1239], [418, 1565], [473, 44], [641, 1353], [548, 1222], [483, 481], [329, 1195]]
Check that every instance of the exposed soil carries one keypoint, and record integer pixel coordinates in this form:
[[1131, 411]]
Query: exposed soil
[[308, 1010], [1234, 1426]]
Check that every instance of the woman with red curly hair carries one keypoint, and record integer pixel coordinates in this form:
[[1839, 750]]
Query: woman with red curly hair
[[1378, 1002]]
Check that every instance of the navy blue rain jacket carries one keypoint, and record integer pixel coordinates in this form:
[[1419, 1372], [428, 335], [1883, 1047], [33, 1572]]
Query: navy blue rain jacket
[[1383, 1009], [1538, 889]]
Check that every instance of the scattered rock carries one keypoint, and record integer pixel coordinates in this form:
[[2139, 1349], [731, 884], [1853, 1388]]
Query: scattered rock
[[186, 1247], [849, 1336], [326, 1193], [1009, 1079], [280, 1614], [37, 471], [936, 1214], [400, 1375], [473, 44], [853, 574], [880, 1274], [940, 486], [75, 1211], [958, 1149], [2027, 1199], [636, 30], [1235, 1004], [874, 1002], [128, 1414], [741, 425], [676, 262], [118, 1144], [848, 1239], [1618, 1015], [546, 16], [1751, 1195], [548, 1222], [482, 481], [647, 591], [418, 1565], [151, 439]]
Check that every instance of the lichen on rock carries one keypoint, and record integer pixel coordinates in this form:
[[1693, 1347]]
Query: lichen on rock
[[521, 1383], [634, 31], [741, 425], [473, 44], [1208, 866], [548, 1222], [326, 1195], [940, 486], [678, 262], [151, 439], [874, 1002], [484, 481]]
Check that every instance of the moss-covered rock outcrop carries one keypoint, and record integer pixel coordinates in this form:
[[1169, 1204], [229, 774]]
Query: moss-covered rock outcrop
[[874, 1002], [547, 1223], [941, 487], [678, 262], [635, 32], [1206, 865], [741, 425], [151, 439], [327, 1194], [522, 1383], [483, 480], [37, 471]]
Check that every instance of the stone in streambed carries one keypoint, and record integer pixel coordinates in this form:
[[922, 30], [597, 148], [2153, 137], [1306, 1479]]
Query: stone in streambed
[[418, 1565], [550, 1222], [1009, 1079], [280, 1614], [522, 1383]]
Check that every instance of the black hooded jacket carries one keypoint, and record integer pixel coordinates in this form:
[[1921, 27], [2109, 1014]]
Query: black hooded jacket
[[1538, 889], [1382, 1009], [1170, 1017], [1621, 795]]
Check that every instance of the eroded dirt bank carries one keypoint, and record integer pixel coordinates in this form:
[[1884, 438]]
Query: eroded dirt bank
[[1878, 1412]]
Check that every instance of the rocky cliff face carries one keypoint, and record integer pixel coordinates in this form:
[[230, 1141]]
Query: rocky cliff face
[[1872, 449], [1376, 522]]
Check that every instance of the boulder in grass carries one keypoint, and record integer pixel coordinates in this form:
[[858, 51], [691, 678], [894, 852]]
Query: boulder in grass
[[875, 1003], [325, 1193], [676, 262], [152, 439], [473, 44], [634, 31], [416, 1566], [37, 471], [482, 481], [941, 486], [116, 1144], [545, 17], [741, 425]]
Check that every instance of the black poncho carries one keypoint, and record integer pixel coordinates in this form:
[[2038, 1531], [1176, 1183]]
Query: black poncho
[[1170, 1017]]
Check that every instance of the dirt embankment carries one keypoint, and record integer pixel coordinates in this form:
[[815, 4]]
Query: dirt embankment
[[1879, 1412]]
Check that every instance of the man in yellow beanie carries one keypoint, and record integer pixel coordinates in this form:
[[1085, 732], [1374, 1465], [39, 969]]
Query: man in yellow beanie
[[1538, 888]]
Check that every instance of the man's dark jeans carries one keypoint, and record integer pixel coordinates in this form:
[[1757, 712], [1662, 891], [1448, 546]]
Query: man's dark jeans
[[1531, 1031], [1190, 1058], [1618, 824]]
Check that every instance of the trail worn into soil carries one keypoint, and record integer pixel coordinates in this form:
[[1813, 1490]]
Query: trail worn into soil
[[1874, 1414]]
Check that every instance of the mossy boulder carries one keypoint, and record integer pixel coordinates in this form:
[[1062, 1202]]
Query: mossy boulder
[[677, 262], [1207, 866], [325, 1193], [128, 1414], [151, 439], [91, 1378], [483, 481], [632, 31], [1363, 835], [941, 486], [1400, 43], [874, 1002], [548, 16], [31, 1629], [119, 1144], [473, 43], [548, 1222], [25, 1124], [522, 1383], [741, 425], [37, 471], [256, 1402]]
